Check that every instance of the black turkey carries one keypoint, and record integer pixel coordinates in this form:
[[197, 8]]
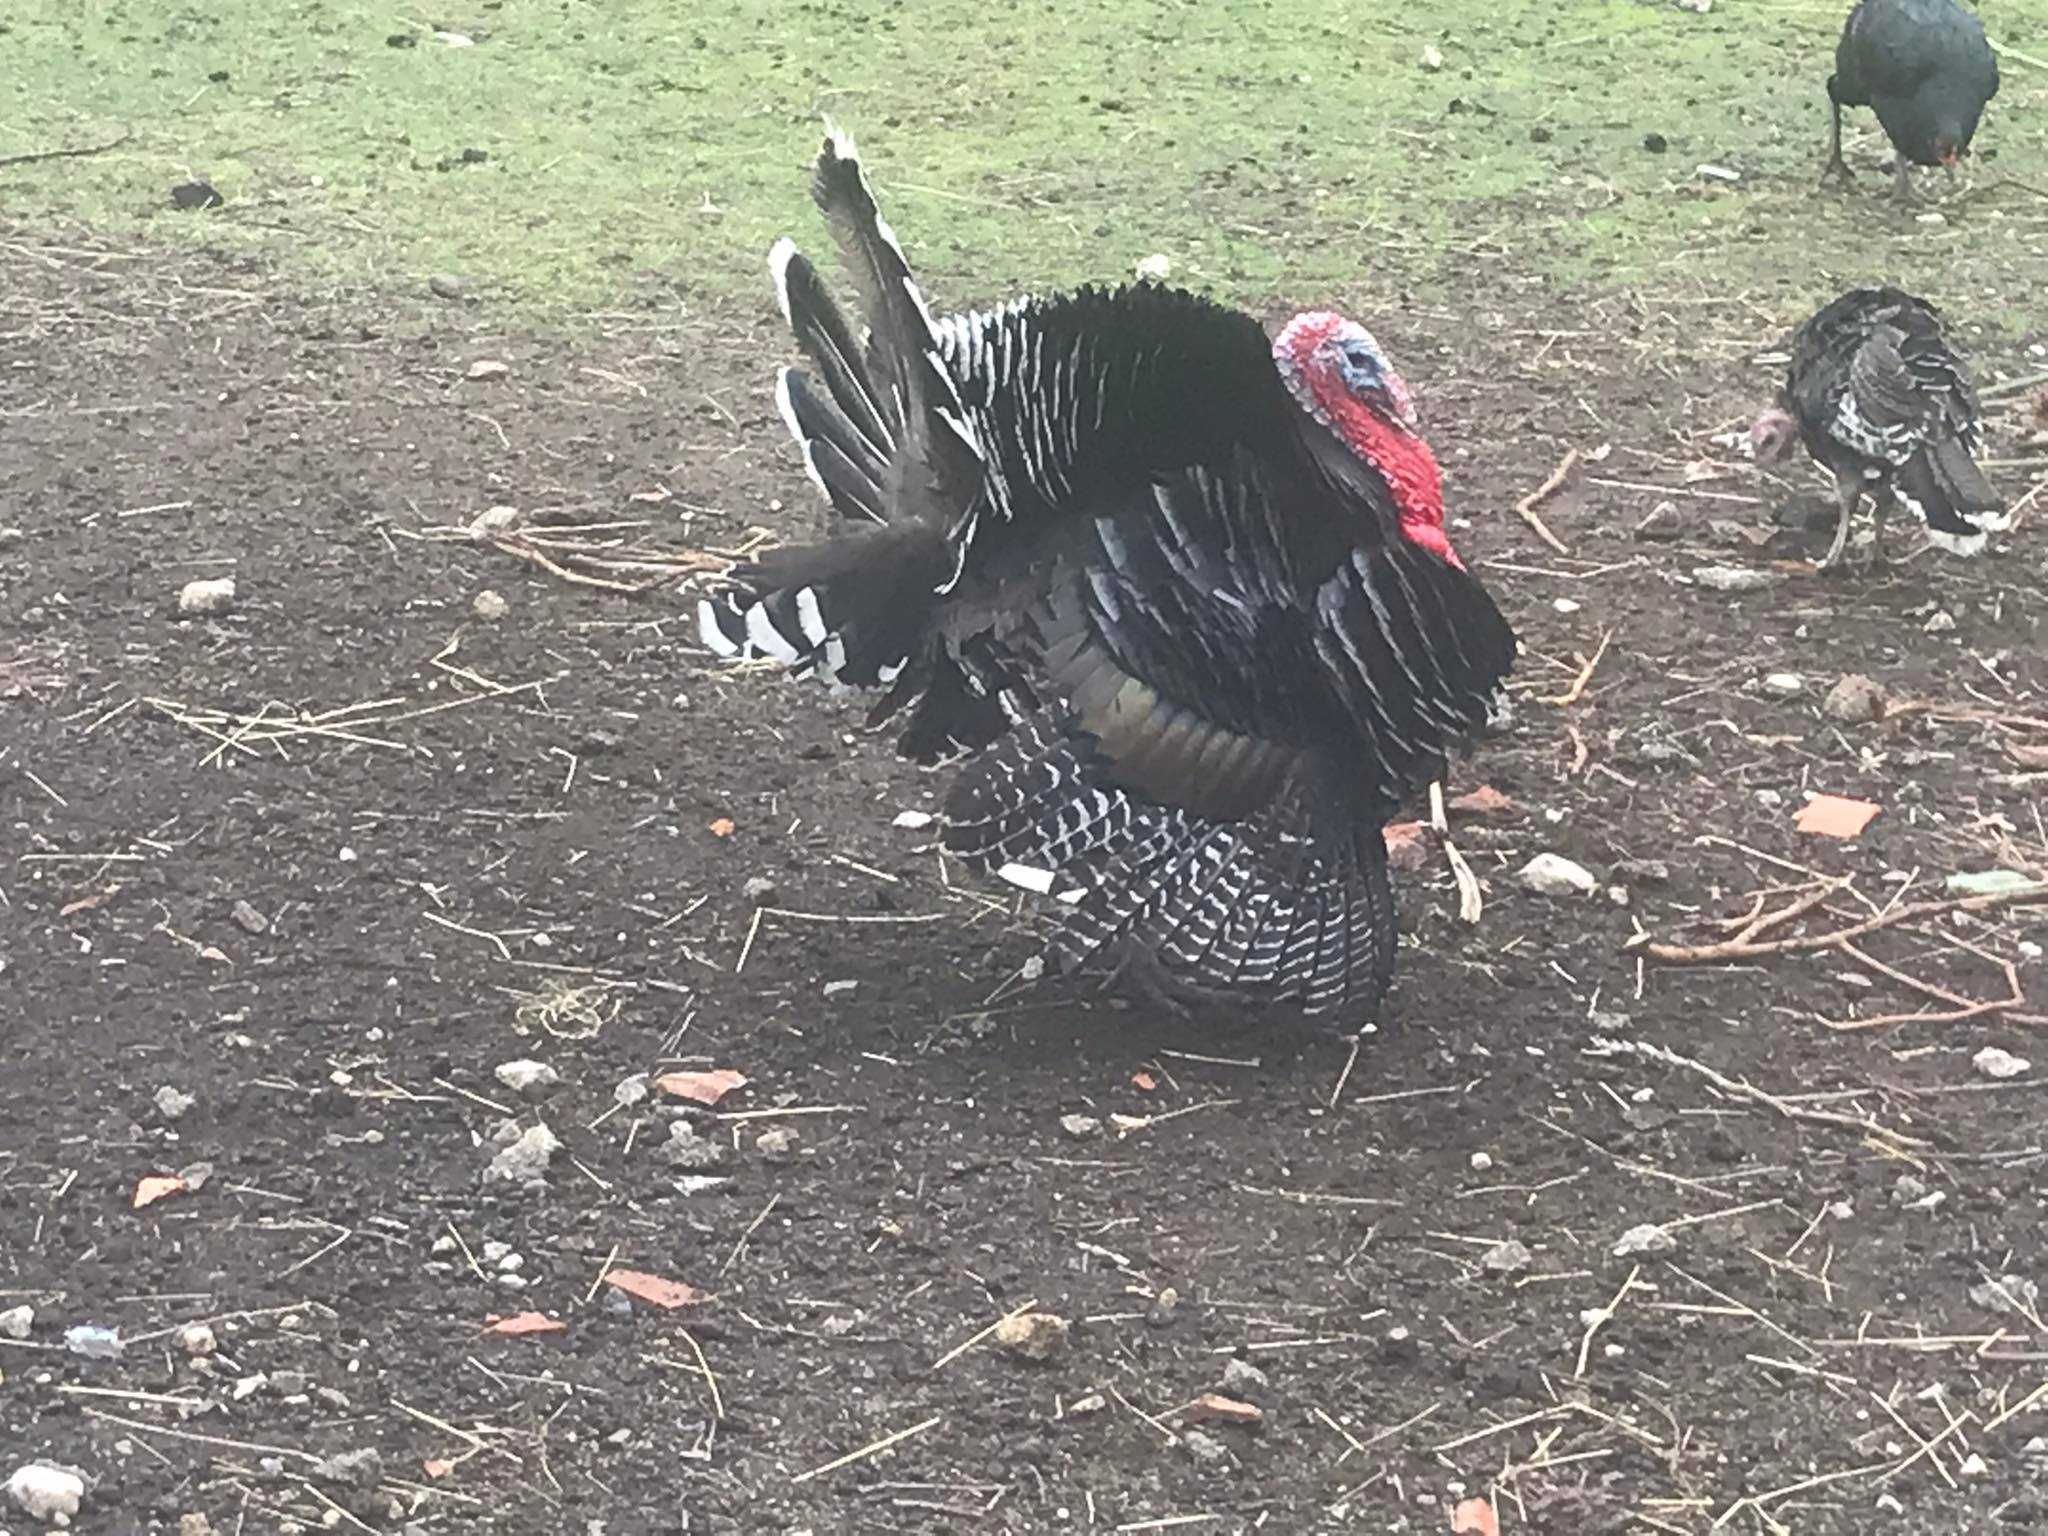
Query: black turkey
[[1925, 68], [1885, 405], [1181, 593]]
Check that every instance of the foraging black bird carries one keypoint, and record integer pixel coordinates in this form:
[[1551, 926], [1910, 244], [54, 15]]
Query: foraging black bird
[[1182, 593], [1885, 405], [1925, 68]]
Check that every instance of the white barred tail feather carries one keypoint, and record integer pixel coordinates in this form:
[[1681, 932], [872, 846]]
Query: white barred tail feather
[[1292, 905]]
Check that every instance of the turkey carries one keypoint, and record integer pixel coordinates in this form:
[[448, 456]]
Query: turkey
[[1181, 595], [1926, 69], [1885, 405]]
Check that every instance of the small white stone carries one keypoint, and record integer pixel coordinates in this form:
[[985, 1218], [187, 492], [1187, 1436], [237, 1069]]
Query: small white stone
[[1550, 874], [172, 1103], [16, 1322], [1481, 1161], [1154, 269], [1784, 685], [47, 1493], [197, 1340], [1997, 1063], [213, 596], [1564, 605], [490, 606], [1432, 58], [1647, 1238], [912, 820], [531, 1079], [1973, 1466]]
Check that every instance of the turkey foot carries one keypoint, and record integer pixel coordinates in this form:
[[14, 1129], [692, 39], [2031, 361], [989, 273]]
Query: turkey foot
[[1837, 169], [1138, 971], [1847, 494], [1902, 184]]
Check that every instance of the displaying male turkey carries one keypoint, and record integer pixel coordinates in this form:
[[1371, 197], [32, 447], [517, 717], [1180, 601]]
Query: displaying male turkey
[[1926, 69], [1885, 405], [1183, 594]]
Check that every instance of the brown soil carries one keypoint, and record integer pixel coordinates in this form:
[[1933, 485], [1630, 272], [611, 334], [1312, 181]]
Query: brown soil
[[428, 883]]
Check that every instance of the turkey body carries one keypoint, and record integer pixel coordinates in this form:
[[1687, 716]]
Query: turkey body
[[1925, 68], [1885, 405], [1117, 551]]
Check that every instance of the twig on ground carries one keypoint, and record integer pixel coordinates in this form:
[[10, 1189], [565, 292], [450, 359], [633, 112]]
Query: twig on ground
[[1526, 507]]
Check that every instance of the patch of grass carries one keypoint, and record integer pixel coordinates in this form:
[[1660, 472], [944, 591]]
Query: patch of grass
[[1265, 148]]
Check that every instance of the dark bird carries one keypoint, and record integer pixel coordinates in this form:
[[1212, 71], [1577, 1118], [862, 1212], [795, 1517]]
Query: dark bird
[[1181, 593], [1925, 68], [1885, 405]]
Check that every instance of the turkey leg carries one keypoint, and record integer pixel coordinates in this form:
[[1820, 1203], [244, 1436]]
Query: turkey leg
[[1836, 166], [1902, 183], [1847, 493], [1881, 503]]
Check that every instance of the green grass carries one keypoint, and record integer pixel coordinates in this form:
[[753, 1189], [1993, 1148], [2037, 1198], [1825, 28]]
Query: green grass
[[1265, 148]]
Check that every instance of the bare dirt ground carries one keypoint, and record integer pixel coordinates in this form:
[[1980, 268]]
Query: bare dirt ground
[[324, 861]]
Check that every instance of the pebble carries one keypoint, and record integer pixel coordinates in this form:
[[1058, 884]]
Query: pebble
[[1854, 700], [1397, 1344], [248, 919], [197, 1339], [489, 606], [524, 1161], [1164, 1305], [171, 1103], [216, 595], [1939, 622], [352, 1469], [690, 1149], [778, 1145], [445, 285], [1244, 1378], [1206, 1449], [1551, 874], [1995, 1062], [1508, 1257], [1094, 1402], [1973, 1466], [1647, 1238], [47, 1492], [194, 1524], [760, 890], [288, 1383], [16, 1322], [93, 1342], [1154, 269], [10, 536], [529, 1079], [1032, 1335], [1080, 1127], [1482, 1162], [1909, 1190], [1784, 685], [1733, 578], [1661, 525], [2007, 1293], [494, 1250], [633, 1090], [498, 519]]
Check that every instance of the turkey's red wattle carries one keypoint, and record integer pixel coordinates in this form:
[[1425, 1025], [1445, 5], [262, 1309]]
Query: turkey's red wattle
[[1403, 460]]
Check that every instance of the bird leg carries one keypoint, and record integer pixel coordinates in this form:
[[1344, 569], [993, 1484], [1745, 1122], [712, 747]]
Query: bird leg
[[1902, 183], [1836, 166], [1139, 970], [1848, 493], [1880, 503]]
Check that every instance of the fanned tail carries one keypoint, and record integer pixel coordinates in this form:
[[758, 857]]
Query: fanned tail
[[889, 444], [1291, 905], [1942, 485]]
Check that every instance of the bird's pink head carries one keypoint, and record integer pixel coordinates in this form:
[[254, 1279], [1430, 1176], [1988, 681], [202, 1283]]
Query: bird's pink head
[[1772, 435], [1338, 374]]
